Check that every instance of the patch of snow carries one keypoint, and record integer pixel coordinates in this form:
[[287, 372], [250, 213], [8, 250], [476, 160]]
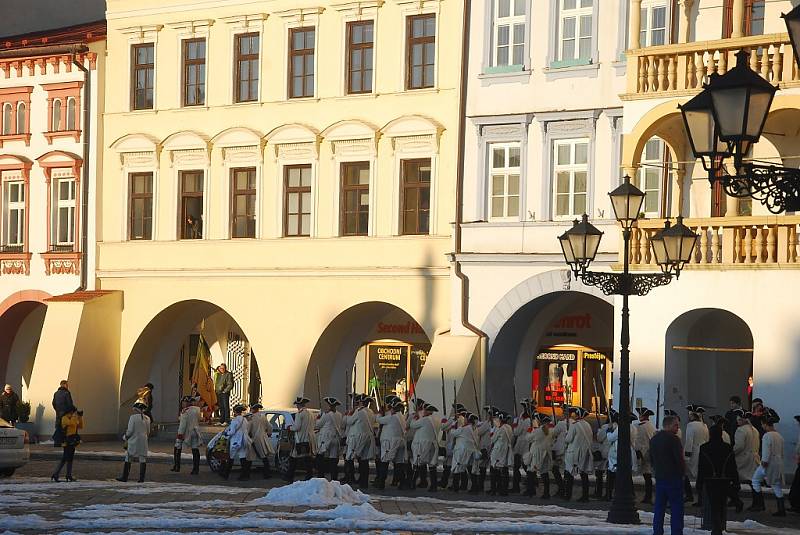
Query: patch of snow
[[316, 492], [365, 511]]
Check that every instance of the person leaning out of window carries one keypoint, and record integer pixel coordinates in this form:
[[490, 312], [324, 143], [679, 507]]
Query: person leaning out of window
[[71, 423]]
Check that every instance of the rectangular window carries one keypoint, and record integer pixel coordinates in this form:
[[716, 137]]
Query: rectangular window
[[142, 77], [504, 175], [297, 200], [194, 72], [140, 206], [301, 62], [571, 171], [64, 192], [753, 18], [575, 30], [246, 65], [653, 29], [354, 199], [191, 208], [420, 51], [509, 32], [651, 176], [13, 217], [243, 203], [415, 195], [360, 45]]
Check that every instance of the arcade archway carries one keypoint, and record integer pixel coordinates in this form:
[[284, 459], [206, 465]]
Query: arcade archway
[[21, 324], [709, 358], [374, 347], [178, 346], [557, 349]]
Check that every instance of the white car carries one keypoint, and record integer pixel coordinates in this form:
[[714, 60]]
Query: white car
[[281, 420], [14, 448]]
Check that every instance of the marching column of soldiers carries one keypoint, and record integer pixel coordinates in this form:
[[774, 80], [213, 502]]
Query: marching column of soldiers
[[530, 447]]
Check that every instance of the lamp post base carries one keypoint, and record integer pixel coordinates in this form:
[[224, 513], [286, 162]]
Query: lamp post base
[[623, 514]]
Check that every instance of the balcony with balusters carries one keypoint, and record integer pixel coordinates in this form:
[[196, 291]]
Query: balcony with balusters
[[753, 242]]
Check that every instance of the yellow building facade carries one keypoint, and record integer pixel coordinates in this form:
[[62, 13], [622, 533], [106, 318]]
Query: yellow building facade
[[279, 181]]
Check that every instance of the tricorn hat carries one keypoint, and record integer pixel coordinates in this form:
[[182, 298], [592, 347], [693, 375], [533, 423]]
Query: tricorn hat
[[238, 408], [256, 406], [391, 399], [141, 405], [697, 409], [300, 400], [797, 417], [771, 416], [332, 401], [644, 412], [458, 406], [670, 412], [739, 413], [430, 407]]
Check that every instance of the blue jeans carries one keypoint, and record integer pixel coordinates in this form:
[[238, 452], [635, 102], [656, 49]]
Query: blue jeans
[[668, 490]]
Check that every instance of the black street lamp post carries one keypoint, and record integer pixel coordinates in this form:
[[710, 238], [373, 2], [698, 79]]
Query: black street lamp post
[[672, 248]]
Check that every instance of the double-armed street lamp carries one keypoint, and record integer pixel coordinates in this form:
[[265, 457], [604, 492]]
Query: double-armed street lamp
[[728, 117], [672, 249]]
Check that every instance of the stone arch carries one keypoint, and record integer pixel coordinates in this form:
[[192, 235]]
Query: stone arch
[[135, 143], [349, 129], [292, 133], [153, 357], [537, 286], [237, 136], [412, 125], [185, 140], [336, 348], [663, 121], [21, 319], [706, 359]]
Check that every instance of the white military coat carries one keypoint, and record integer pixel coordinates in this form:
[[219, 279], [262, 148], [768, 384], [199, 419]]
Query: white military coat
[[502, 455], [189, 428], [425, 445], [644, 432], [330, 430], [745, 447], [303, 428], [260, 430], [466, 448], [578, 457], [393, 442], [136, 437], [772, 453], [522, 439], [541, 450], [360, 435], [239, 444], [612, 436], [696, 436]]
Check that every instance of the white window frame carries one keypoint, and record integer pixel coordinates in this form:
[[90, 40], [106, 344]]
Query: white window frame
[[64, 204], [509, 21], [10, 208], [646, 25], [646, 164], [571, 168], [506, 172], [8, 119], [22, 116], [55, 116], [577, 13], [555, 61]]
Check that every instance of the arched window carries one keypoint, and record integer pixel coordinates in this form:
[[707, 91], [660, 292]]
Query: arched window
[[70, 113], [21, 127], [7, 119], [56, 122]]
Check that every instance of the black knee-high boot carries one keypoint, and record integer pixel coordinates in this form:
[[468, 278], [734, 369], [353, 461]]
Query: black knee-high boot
[[611, 480], [396, 476], [648, 488], [402, 472], [475, 488], [584, 487], [464, 480], [195, 461], [423, 475], [434, 486], [530, 484], [413, 473], [559, 481], [349, 471], [494, 481], [176, 460], [688, 495], [503, 489], [292, 468], [456, 484], [142, 471], [445, 476], [545, 486], [381, 471], [319, 464], [126, 471], [516, 478], [598, 484], [333, 468], [266, 471], [569, 482], [363, 474], [482, 477], [244, 475]]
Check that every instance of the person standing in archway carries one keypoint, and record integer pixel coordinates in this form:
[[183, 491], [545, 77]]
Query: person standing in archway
[[223, 386], [305, 440], [135, 439], [188, 433]]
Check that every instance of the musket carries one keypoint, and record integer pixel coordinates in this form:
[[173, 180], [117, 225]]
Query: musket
[[444, 397], [375, 392], [514, 393], [597, 405], [455, 394], [605, 399], [413, 391], [475, 391], [319, 391], [633, 390], [553, 406], [658, 404]]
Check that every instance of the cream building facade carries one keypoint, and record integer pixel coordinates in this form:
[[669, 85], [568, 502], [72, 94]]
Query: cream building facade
[[51, 98], [280, 180]]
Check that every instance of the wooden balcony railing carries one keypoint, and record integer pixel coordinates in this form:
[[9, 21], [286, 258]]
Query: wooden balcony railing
[[680, 69], [727, 242]]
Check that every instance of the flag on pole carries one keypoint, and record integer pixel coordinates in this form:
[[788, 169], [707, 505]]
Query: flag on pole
[[202, 376]]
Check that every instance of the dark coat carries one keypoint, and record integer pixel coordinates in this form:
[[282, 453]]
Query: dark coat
[[731, 424], [717, 461], [62, 400], [8, 406]]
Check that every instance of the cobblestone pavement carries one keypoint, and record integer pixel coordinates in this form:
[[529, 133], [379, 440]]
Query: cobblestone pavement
[[180, 503]]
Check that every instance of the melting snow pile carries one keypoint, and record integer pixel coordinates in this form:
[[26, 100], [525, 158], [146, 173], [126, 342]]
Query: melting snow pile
[[313, 493]]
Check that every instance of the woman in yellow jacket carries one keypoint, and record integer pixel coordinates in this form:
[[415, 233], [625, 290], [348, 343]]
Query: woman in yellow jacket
[[71, 423]]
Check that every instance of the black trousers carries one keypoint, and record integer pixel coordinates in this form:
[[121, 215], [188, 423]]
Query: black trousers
[[224, 399], [794, 494]]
